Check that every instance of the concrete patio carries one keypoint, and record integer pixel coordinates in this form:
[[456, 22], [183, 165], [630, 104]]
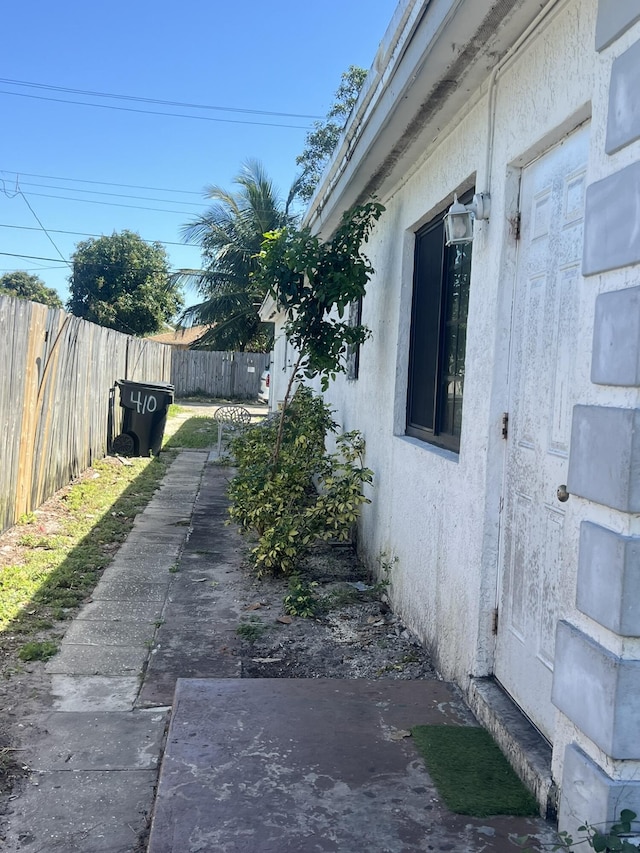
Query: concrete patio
[[249, 765]]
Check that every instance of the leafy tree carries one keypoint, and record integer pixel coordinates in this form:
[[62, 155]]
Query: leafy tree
[[230, 233], [279, 465], [322, 140], [281, 501], [23, 285], [123, 283], [315, 283]]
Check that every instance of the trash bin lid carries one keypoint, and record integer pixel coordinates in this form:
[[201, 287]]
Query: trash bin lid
[[145, 397], [154, 386]]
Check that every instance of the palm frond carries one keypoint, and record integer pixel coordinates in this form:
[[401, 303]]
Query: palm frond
[[230, 233]]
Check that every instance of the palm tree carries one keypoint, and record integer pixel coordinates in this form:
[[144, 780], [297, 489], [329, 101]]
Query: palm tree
[[230, 233]]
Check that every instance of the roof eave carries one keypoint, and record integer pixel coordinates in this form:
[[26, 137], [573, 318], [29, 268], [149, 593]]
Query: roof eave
[[434, 56]]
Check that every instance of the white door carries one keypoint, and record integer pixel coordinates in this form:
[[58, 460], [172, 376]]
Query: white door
[[544, 330]]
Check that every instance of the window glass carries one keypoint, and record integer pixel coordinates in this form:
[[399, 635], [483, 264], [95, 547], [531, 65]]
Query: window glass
[[438, 337]]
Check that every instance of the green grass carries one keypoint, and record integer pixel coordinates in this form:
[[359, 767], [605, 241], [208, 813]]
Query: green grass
[[198, 432], [38, 650], [470, 773], [53, 573], [251, 630]]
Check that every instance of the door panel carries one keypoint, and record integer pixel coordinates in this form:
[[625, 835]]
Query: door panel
[[544, 329]]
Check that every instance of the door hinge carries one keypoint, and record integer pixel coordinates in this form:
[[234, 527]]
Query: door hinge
[[494, 621], [515, 222], [505, 424]]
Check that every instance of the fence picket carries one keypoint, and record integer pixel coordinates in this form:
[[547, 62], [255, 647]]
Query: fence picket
[[56, 372], [226, 375], [56, 375]]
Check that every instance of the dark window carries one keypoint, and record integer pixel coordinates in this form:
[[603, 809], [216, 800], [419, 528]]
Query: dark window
[[353, 351], [438, 337]]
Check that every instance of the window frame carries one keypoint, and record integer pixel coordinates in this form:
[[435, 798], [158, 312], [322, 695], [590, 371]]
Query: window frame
[[353, 350], [432, 297]]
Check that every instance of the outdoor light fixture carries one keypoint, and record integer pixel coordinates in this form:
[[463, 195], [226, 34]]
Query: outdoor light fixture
[[458, 222]]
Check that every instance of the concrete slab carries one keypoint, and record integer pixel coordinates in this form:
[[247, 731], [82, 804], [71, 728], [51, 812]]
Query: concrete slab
[[114, 632], [187, 649], [154, 529], [154, 571], [180, 489], [97, 660], [211, 554], [216, 573], [149, 522], [159, 561], [118, 587], [201, 609], [122, 740], [186, 479], [143, 611], [286, 766], [172, 514], [93, 693], [137, 547], [192, 590], [81, 812]]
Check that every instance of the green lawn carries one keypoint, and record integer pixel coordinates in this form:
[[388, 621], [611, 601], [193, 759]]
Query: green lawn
[[56, 554]]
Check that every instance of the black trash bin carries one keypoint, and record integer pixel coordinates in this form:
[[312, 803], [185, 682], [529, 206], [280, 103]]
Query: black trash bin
[[145, 407]]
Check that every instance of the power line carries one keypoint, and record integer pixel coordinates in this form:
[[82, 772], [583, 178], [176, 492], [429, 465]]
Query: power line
[[115, 195], [85, 234], [32, 257], [101, 183], [140, 99], [30, 269], [49, 237], [156, 112], [109, 203], [83, 263]]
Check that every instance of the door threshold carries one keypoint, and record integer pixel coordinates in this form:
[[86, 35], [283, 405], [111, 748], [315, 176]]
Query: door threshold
[[526, 749]]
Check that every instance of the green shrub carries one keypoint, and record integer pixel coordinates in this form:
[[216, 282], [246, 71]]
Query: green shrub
[[304, 495], [301, 600]]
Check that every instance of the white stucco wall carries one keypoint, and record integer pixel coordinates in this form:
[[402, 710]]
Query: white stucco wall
[[438, 513], [435, 516], [283, 355]]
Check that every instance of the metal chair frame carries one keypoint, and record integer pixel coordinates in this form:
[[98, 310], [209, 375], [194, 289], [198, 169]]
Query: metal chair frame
[[231, 419]]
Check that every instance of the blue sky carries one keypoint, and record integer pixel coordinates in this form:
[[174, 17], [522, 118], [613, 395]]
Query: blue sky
[[282, 57]]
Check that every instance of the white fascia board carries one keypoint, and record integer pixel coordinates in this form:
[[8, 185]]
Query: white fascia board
[[269, 309], [433, 58]]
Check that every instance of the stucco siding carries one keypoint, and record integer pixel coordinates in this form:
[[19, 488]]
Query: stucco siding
[[435, 512], [442, 522]]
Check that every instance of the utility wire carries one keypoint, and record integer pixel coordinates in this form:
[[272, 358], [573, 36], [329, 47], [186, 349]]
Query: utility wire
[[30, 269], [49, 237], [156, 112], [142, 100], [33, 257], [110, 203], [85, 234], [89, 263], [115, 195], [102, 183]]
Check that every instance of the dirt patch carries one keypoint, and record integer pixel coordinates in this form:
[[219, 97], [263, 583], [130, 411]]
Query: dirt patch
[[354, 633]]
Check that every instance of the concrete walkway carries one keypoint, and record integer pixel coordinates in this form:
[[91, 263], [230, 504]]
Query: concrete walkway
[[94, 751], [251, 766]]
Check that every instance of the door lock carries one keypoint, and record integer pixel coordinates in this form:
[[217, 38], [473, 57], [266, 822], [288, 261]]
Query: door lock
[[562, 493]]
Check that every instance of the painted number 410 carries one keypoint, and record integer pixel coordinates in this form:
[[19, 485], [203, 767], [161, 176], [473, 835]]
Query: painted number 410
[[144, 403]]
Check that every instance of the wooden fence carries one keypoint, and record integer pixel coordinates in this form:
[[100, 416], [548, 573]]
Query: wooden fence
[[57, 373], [229, 375]]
